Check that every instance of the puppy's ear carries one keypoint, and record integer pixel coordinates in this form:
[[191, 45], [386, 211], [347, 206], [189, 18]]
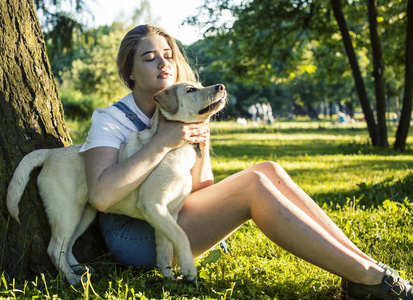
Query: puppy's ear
[[168, 99]]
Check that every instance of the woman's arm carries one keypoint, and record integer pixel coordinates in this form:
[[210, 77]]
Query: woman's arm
[[110, 181]]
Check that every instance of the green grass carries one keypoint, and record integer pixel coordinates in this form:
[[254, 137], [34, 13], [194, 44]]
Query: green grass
[[368, 192]]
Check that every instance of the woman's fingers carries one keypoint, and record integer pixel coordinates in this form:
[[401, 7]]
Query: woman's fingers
[[177, 133], [196, 133]]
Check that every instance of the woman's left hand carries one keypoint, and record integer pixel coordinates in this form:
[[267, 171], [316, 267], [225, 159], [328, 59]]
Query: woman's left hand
[[203, 137]]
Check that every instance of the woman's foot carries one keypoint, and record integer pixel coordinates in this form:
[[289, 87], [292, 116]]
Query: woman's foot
[[391, 287], [381, 265]]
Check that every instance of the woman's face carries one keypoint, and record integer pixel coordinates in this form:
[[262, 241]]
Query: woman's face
[[153, 67]]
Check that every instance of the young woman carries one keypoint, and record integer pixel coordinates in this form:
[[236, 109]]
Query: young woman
[[148, 61]]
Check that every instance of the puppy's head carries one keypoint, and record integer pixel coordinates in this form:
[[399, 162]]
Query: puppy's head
[[191, 102]]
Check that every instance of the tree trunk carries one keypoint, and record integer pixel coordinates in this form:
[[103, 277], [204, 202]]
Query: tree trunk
[[378, 71], [31, 118], [358, 79], [406, 113]]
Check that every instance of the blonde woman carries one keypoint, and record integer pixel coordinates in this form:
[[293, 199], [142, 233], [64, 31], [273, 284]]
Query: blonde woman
[[148, 61]]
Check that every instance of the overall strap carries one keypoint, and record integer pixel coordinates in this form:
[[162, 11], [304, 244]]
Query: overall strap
[[130, 115]]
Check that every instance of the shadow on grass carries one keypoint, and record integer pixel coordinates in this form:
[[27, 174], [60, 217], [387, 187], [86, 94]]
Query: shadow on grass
[[264, 147], [368, 194], [321, 129]]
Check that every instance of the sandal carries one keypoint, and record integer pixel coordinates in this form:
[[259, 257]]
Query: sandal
[[343, 292], [391, 287]]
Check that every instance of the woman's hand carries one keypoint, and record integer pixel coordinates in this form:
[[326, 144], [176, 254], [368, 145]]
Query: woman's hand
[[175, 134]]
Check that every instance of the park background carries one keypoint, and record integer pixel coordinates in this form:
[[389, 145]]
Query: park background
[[294, 55]]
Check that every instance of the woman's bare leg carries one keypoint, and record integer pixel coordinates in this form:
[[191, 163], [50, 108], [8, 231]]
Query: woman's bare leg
[[212, 213], [282, 181]]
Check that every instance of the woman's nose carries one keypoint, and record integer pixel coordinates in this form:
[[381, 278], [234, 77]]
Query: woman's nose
[[162, 63]]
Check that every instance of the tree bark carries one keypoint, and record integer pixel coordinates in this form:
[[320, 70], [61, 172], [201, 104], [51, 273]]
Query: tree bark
[[358, 79], [406, 113], [378, 71], [31, 118]]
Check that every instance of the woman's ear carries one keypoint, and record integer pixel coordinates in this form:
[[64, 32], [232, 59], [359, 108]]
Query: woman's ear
[[132, 77]]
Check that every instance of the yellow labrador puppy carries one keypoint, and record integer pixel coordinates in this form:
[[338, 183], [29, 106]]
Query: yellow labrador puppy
[[63, 189]]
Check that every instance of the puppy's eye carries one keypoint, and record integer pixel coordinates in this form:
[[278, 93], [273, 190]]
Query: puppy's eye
[[191, 90]]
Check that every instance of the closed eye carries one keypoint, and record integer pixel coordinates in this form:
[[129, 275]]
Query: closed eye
[[191, 90]]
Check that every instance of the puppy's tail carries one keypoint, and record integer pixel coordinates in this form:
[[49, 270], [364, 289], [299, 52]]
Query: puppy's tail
[[21, 178]]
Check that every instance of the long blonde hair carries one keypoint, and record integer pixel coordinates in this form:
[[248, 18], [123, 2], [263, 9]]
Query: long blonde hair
[[129, 46]]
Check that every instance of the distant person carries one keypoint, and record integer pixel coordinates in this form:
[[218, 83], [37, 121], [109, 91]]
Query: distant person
[[264, 113], [259, 112], [395, 119], [252, 112], [342, 118], [270, 116]]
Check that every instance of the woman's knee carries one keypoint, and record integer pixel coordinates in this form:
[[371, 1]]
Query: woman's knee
[[255, 181], [270, 168], [272, 165]]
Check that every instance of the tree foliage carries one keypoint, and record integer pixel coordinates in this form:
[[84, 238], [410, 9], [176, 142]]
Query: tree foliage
[[277, 41], [93, 69], [62, 24], [87, 74]]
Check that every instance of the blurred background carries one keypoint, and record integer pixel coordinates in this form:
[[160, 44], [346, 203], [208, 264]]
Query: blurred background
[[280, 60]]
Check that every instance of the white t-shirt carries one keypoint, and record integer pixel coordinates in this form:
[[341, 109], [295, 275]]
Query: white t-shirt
[[110, 127]]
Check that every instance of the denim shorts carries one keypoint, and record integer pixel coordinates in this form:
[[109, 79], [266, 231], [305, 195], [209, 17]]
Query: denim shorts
[[130, 241]]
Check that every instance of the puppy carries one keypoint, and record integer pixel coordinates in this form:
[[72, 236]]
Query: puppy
[[63, 188]]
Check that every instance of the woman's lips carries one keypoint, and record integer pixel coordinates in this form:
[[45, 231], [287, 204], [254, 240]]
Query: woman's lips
[[164, 75]]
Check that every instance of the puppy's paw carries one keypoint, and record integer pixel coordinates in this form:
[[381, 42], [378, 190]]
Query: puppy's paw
[[190, 278], [189, 272], [82, 269], [167, 273], [73, 279]]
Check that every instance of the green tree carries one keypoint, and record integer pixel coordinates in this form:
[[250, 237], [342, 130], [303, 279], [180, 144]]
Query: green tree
[[266, 32], [88, 73], [406, 113], [242, 94], [358, 78], [62, 25], [93, 69]]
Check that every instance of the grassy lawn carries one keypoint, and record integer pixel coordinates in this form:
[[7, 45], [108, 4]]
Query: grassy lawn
[[368, 192]]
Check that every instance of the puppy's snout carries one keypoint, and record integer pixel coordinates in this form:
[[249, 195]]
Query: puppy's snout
[[220, 87]]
